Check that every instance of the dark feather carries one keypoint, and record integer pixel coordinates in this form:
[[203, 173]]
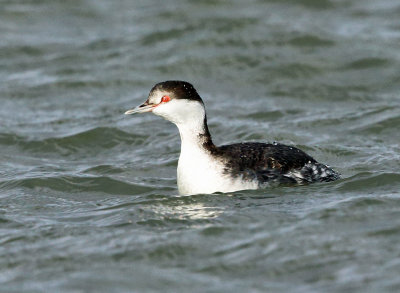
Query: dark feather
[[272, 163]]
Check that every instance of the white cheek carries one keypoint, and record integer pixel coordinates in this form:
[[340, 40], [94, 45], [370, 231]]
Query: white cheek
[[166, 110], [181, 111]]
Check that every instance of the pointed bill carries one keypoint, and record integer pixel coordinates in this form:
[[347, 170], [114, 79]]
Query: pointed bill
[[140, 109]]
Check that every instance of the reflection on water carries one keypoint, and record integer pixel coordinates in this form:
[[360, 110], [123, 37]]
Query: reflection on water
[[194, 211]]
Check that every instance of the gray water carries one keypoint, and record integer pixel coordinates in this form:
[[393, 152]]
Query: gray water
[[88, 196]]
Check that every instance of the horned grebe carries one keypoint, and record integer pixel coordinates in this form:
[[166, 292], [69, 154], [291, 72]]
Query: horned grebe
[[206, 168]]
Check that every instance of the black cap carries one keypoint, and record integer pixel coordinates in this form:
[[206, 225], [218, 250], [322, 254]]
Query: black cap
[[178, 89]]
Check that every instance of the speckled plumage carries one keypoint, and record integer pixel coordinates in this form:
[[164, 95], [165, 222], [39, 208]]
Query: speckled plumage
[[276, 163]]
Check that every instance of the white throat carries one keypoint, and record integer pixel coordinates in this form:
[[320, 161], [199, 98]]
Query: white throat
[[189, 117]]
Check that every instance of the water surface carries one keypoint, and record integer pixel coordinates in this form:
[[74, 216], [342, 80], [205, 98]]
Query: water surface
[[88, 197]]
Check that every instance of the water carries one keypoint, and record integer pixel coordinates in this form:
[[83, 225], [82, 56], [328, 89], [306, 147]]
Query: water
[[88, 197]]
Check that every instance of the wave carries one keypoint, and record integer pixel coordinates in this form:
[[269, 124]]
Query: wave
[[371, 182], [95, 139], [77, 184]]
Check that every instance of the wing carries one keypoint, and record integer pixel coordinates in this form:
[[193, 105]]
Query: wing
[[267, 162]]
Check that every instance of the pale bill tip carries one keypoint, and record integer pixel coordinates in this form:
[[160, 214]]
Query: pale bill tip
[[130, 112]]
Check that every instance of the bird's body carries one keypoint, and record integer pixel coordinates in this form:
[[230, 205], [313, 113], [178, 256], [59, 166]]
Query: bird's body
[[206, 168]]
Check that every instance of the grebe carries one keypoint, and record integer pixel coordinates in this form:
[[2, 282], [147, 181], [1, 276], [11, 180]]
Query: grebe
[[206, 168]]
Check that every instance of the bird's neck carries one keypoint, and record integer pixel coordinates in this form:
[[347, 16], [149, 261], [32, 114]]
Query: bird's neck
[[196, 136]]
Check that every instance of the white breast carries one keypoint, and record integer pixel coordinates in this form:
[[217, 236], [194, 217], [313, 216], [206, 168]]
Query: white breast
[[198, 172]]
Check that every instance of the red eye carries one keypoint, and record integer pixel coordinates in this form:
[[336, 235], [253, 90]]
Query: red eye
[[165, 99]]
